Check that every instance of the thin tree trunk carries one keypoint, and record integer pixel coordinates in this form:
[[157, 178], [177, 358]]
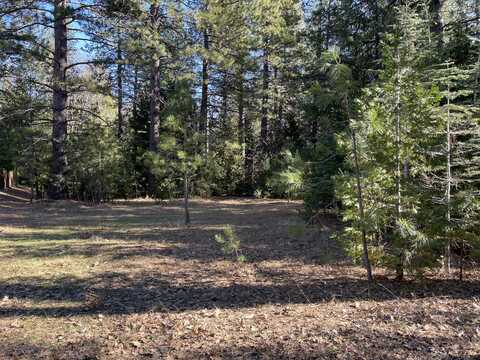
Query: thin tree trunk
[[477, 80], [366, 260], [155, 94], [120, 89], [377, 23], [33, 167], [155, 101], [225, 122], [204, 125], [10, 179], [447, 255], [249, 153], [32, 192], [38, 194], [462, 260], [154, 119], [361, 207], [274, 132], [398, 173], [328, 26], [57, 185], [265, 98], [241, 125], [245, 134], [185, 199], [135, 92]]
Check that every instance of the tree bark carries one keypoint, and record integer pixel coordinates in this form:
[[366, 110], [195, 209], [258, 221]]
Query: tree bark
[[437, 21], [275, 127], [204, 124], [135, 92], [154, 119], [225, 123], [377, 24], [241, 99], [245, 134], [366, 260], [155, 102], [120, 89], [447, 250], [265, 98], [185, 199], [328, 27], [249, 153], [398, 170], [57, 185], [8, 179]]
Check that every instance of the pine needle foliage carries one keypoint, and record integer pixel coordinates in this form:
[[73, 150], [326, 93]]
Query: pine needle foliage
[[229, 242]]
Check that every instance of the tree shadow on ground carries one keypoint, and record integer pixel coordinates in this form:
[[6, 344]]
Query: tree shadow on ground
[[120, 293], [183, 244], [262, 227], [137, 214], [264, 230]]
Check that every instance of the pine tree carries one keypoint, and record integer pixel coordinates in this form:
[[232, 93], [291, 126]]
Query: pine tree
[[25, 19], [457, 154], [177, 156], [397, 115]]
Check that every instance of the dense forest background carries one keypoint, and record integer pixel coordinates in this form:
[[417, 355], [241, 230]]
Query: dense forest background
[[365, 108]]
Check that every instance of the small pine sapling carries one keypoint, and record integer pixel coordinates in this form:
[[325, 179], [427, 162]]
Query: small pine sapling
[[230, 243]]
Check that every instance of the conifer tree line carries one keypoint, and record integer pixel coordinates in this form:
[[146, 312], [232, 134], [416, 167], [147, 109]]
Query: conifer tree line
[[368, 109]]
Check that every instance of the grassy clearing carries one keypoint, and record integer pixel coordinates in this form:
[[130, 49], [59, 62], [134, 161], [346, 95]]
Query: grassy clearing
[[130, 281]]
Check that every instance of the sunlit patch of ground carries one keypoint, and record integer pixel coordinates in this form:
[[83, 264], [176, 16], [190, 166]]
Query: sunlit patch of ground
[[130, 281]]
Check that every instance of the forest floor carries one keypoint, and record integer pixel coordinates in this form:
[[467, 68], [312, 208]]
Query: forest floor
[[130, 281]]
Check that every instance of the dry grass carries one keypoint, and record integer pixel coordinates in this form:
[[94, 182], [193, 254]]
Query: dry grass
[[130, 281]]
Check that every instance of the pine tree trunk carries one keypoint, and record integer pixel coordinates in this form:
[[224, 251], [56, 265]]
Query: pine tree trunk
[[398, 172], [5, 179], [135, 92], [275, 130], [57, 185], [249, 153], [204, 125], [155, 102], [447, 251], [154, 119], [224, 112], [120, 89], [265, 98], [33, 168], [477, 80], [245, 134], [366, 260], [462, 261], [437, 21], [241, 125], [377, 23], [10, 179], [185, 199], [328, 27]]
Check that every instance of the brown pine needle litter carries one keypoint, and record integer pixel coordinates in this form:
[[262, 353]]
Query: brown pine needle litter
[[129, 281]]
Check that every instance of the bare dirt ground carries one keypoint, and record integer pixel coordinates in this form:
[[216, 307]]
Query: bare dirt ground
[[130, 281]]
